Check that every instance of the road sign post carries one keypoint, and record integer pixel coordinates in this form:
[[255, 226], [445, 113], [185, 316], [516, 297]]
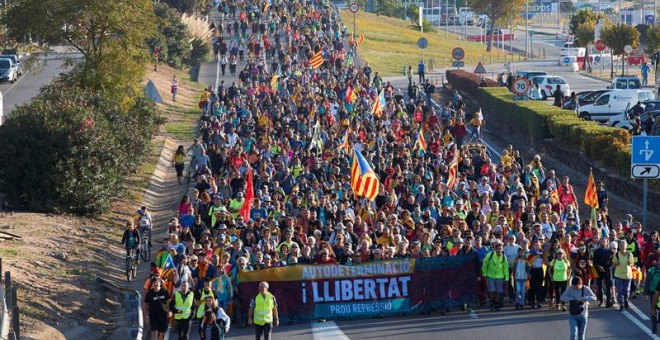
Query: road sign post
[[354, 7], [645, 165], [422, 43], [520, 88], [458, 54]]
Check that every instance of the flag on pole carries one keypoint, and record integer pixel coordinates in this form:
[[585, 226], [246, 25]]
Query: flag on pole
[[421, 141], [274, 80], [364, 181], [312, 113], [317, 60], [360, 39], [453, 169], [379, 104], [554, 195], [591, 197], [344, 144], [316, 137], [249, 196]]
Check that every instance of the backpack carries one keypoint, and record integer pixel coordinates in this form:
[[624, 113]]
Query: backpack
[[575, 307]]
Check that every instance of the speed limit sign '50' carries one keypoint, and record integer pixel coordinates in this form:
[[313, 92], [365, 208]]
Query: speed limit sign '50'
[[520, 86]]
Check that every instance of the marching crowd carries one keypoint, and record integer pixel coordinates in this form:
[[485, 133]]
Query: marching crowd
[[274, 187]]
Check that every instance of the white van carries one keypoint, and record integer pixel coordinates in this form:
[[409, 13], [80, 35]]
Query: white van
[[613, 102]]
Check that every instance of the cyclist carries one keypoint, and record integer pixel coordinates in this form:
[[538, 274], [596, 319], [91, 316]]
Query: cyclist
[[143, 218], [131, 239]]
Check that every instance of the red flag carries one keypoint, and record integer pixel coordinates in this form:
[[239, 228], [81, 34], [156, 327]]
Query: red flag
[[249, 197]]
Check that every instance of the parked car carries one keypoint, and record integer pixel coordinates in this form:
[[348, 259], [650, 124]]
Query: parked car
[[627, 124], [625, 83], [17, 63], [628, 113], [8, 71], [613, 102], [529, 74], [548, 85], [589, 97]]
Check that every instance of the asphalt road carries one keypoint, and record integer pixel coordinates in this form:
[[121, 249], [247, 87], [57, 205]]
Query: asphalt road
[[29, 84], [508, 323]]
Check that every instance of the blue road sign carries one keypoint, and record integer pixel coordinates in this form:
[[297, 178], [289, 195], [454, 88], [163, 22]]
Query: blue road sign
[[645, 159], [646, 150], [597, 59], [422, 43], [566, 60]]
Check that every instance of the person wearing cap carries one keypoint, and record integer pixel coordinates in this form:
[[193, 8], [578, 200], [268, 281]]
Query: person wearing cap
[[263, 312], [236, 204], [602, 260], [560, 269], [495, 269]]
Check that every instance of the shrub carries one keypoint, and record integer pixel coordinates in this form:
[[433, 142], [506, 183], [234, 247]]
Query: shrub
[[538, 120], [468, 82], [70, 149]]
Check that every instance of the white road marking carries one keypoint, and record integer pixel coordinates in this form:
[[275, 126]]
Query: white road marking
[[217, 73], [474, 315], [639, 313], [640, 325], [327, 330]]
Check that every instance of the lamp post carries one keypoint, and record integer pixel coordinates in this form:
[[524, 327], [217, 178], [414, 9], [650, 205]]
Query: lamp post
[[527, 29]]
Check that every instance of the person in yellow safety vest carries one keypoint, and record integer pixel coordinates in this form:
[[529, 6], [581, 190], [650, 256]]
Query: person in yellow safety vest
[[201, 298], [495, 269], [263, 312], [182, 306]]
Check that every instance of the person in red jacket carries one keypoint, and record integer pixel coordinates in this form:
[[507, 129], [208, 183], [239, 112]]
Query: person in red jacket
[[460, 132]]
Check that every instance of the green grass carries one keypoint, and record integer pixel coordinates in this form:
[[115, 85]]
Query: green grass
[[184, 127], [8, 252], [390, 44]]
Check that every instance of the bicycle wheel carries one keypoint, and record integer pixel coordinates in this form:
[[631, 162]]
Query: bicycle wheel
[[145, 252], [134, 269], [129, 264]]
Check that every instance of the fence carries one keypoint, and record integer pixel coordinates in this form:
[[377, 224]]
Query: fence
[[131, 302], [10, 316]]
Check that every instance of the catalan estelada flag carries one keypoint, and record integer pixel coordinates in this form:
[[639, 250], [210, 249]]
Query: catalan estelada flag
[[274, 80], [421, 141], [379, 104], [360, 39], [344, 144], [317, 60], [453, 170], [364, 181], [554, 196]]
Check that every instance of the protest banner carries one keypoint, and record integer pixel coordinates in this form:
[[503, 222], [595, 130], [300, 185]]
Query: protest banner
[[307, 292]]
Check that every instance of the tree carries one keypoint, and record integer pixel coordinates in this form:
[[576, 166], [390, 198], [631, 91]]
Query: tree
[[390, 8], [187, 6], [500, 12], [110, 34], [582, 16], [584, 35], [653, 39], [617, 37]]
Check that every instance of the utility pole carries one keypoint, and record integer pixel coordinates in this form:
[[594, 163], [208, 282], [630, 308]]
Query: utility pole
[[446, 18], [526, 29]]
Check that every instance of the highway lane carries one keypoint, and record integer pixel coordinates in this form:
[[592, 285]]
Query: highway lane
[[29, 84]]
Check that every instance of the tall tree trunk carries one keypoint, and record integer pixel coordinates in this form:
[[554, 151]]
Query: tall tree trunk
[[490, 36]]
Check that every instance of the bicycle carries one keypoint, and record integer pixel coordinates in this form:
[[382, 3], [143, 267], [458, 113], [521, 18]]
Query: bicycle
[[131, 264], [192, 169], [145, 242]]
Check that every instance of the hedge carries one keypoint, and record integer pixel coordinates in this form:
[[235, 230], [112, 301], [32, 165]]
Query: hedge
[[69, 149], [468, 82], [538, 120]]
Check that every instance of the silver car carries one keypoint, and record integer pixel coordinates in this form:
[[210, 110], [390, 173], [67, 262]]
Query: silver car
[[8, 71]]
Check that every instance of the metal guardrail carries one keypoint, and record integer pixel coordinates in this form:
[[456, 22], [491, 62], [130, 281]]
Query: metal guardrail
[[132, 304], [4, 317]]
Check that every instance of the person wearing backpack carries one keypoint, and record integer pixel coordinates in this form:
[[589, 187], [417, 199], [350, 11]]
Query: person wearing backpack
[[495, 269], [578, 296]]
